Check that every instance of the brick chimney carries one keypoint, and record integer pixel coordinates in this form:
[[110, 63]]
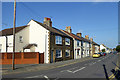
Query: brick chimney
[[47, 21], [79, 34], [86, 37], [68, 29], [91, 39]]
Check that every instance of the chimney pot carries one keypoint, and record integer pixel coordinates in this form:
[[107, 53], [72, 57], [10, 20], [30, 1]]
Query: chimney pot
[[47, 21], [86, 37], [68, 29], [79, 34]]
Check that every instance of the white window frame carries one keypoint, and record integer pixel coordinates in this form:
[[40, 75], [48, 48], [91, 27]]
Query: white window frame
[[58, 40], [68, 52], [59, 53], [67, 41]]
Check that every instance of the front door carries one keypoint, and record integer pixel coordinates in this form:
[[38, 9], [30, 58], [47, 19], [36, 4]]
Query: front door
[[51, 57]]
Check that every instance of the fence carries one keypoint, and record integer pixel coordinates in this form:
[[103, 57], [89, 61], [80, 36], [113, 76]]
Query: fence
[[22, 58]]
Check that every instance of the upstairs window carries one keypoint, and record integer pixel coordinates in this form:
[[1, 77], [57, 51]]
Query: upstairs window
[[78, 43], [67, 52], [58, 39], [67, 41], [20, 39], [58, 53]]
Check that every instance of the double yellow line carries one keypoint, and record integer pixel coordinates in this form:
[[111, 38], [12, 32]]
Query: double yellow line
[[116, 68]]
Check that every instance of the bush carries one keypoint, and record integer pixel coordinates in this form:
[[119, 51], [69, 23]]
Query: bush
[[103, 50], [118, 48]]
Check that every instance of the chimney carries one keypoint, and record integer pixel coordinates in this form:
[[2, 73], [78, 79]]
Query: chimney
[[86, 37], [79, 34], [91, 39], [68, 29], [47, 21]]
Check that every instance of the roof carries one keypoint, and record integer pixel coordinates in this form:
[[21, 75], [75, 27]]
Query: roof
[[76, 37], [9, 31], [29, 46], [95, 43], [52, 29], [79, 38]]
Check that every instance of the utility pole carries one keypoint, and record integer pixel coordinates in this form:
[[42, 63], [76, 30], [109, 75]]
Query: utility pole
[[14, 22]]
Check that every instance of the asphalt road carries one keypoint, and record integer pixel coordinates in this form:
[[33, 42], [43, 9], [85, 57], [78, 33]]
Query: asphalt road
[[87, 69]]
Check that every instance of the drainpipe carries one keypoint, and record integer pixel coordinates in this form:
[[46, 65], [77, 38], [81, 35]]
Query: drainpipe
[[6, 43]]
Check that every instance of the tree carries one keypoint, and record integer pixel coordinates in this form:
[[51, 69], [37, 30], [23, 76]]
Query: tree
[[103, 50], [118, 48]]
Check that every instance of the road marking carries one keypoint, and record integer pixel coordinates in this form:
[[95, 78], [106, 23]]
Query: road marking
[[32, 77], [78, 70], [46, 77], [99, 60], [68, 69]]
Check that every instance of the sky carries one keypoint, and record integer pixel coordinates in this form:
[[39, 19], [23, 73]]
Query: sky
[[99, 20]]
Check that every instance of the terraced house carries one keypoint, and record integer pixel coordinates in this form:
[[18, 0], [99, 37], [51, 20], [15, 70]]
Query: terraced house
[[81, 45], [39, 37]]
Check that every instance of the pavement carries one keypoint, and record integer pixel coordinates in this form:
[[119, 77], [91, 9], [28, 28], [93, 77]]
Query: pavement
[[21, 68], [86, 68]]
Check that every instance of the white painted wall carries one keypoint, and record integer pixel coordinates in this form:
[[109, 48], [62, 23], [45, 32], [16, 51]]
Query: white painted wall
[[3, 43], [86, 48], [102, 47], [39, 35], [75, 49]]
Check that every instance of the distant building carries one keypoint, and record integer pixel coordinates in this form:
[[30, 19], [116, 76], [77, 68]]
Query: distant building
[[107, 50]]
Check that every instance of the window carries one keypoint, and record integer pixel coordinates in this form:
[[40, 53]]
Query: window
[[67, 41], [58, 39], [67, 53], [58, 53], [78, 43], [21, 39], [78, 52]]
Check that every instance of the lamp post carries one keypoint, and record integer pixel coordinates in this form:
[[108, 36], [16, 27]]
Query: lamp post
[[14, 24]]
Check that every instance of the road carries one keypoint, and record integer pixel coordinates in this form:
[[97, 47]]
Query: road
[[87, 69]]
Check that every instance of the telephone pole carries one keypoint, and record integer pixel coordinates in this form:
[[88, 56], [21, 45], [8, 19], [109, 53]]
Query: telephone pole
[[14, 22]]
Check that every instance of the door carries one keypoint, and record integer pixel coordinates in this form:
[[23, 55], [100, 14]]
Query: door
[[51, 57]]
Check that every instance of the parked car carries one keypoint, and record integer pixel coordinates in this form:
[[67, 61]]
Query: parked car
[[96, 55], [101, 54], [104, 54]]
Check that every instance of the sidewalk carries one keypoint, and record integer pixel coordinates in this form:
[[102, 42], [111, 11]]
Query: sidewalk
[[21, 68]]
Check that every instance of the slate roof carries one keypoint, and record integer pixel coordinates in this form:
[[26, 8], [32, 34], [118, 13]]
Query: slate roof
[[79, 38], [52, 29], [76, 37], [9, 31]]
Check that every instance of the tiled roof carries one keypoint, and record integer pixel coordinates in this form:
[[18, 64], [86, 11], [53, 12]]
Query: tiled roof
[[9, 31], [52, 29]]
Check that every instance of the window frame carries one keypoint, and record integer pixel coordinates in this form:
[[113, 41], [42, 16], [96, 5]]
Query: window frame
[[59, 53], [66, 41], [68, 52], [58, 40], [21, 39], [78, 42]]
